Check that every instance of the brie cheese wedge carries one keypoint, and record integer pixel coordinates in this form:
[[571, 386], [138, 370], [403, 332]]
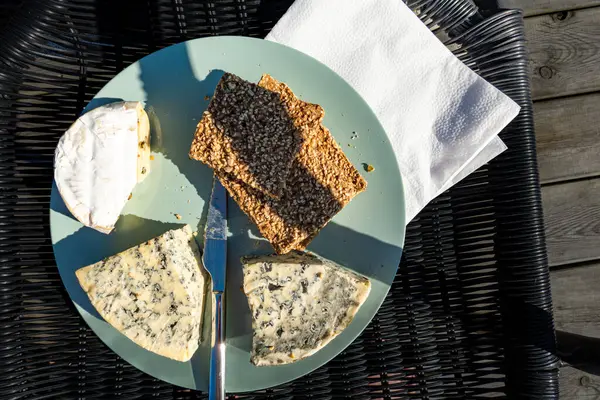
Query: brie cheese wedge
[[100, 159], [299, 303], [152, 293]]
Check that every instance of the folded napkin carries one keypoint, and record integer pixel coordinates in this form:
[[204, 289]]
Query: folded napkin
[[442, 118]]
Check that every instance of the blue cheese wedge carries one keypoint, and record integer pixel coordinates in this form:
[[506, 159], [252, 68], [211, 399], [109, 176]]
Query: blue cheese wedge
[[152, 293], [299, 303], [100, 159]]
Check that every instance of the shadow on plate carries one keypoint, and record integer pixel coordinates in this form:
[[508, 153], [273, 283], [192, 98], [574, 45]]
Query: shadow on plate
[[87, 246], [100, 101], [335, 242], [175, 106]]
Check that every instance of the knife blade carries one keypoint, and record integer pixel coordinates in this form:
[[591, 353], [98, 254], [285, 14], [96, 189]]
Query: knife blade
[[215, 262], [215, 236]]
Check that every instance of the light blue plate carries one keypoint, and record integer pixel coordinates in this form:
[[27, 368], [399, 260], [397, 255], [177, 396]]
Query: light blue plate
[[367, 236]]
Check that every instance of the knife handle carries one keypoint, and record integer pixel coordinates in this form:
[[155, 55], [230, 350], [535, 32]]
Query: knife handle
[[216, 387]]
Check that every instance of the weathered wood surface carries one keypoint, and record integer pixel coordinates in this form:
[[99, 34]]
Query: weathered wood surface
[[572, 216], [576, 312], [564, 46], [578, 385], [536, 7], [568, 137], [564, 52], [576, 296]]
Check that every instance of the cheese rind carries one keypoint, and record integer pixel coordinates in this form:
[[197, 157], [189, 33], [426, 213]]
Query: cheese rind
[[152, 293], [143, 130], [99, 160], [299, 303]]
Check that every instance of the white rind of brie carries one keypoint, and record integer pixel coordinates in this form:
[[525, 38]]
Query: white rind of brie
[[100, 159]]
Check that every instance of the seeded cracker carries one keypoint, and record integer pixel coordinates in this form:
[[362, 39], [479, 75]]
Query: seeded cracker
[[246, 132], [320, 183]]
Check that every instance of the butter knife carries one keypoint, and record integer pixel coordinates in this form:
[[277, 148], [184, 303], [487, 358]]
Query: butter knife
[[215, 261]]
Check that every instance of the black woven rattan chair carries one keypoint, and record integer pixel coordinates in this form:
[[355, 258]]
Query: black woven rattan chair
[[469, 314]]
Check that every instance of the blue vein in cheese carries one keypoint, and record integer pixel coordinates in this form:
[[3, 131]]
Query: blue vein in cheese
[[299, 303], [152, 293]]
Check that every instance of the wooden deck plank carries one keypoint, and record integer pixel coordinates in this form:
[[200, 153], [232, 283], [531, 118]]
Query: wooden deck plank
[[565, 61], [572, 216], [536, 7], [578, 385], [576, 298], [568, 137], [564, 53]]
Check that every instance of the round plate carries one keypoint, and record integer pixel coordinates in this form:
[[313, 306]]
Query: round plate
[[174, 84]]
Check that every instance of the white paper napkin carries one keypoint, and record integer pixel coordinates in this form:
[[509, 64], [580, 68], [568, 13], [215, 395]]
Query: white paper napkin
[[442, 118]]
